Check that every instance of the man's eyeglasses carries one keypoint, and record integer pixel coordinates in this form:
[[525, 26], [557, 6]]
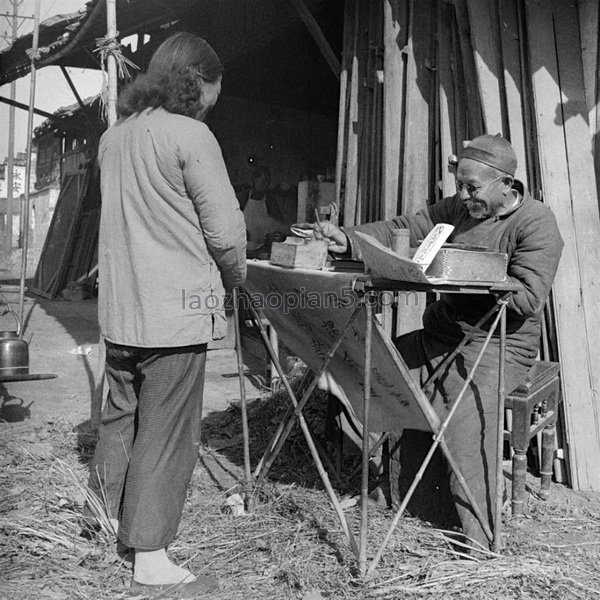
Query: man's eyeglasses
[[473, 190]]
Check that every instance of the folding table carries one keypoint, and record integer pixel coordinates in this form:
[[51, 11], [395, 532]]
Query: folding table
[[327, 318]]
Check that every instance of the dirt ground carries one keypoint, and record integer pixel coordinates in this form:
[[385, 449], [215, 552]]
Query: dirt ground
[[289, 545], [63, 340]]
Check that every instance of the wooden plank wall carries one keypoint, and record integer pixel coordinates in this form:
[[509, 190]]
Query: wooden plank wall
[[589, 23], [490, 80], [453, 69], [554, 26]]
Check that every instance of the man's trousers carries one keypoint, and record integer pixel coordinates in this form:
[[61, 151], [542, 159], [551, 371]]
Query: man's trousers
[[471, 433]]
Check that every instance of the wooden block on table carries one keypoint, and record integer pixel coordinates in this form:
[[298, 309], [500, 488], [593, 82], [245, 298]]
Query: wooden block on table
[[310, 254]]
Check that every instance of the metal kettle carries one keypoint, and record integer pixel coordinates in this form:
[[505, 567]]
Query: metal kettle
[[14, 351]]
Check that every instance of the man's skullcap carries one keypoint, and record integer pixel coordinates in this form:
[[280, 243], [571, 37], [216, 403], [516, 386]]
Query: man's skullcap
[[494, 151]]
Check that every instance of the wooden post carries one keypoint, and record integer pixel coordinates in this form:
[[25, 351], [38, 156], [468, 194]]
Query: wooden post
[[511, 62], [343, 116], [472, 101], [374, 90], [394, 41], [448, 142], [484, 33], [416, 165], [531, 146], [460, 94], [589, 24], [351, 175], [363, 99]]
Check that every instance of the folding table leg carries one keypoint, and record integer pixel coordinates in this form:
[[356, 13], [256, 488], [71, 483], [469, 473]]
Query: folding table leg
[[439, 433], [364, 487], [502, 303], [247, 487], [298, 406], [283, 431]]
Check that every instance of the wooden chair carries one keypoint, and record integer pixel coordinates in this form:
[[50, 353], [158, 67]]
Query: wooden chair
[[534, 408]]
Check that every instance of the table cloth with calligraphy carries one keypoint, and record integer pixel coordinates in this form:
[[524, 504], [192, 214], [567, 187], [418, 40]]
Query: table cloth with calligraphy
[[309, 309]]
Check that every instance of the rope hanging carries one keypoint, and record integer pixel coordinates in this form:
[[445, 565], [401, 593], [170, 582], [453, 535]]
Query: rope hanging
[[110, 46]]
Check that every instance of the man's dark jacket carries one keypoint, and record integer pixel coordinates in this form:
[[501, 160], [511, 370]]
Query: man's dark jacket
[[528, 234]]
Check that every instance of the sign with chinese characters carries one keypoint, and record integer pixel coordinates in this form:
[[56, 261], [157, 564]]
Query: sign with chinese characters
[[309, 309], [18, 181]]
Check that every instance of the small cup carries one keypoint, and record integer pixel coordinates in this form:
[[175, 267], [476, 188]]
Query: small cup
[[401, 242]]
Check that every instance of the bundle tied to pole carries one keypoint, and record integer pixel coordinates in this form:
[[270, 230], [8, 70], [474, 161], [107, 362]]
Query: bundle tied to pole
[[110, 46], [36, 54]]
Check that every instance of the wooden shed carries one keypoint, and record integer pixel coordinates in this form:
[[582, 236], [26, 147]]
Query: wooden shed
[[387, 90]]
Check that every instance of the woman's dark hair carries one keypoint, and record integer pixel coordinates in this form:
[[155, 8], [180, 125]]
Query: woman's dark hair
[[174, 78]]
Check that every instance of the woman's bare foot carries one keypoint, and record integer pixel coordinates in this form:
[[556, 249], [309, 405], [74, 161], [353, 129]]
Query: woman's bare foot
[[153, 567]]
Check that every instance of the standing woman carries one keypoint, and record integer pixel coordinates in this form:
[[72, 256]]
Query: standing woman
[[172, 240]]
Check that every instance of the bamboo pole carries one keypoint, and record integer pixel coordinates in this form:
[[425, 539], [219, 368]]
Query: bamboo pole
[[247, 487], [513, 89], [351, 190], [26, 212], [8, 240], [460, 117], [497, 527], [364, 487], [111, 61], [343, 111], [448, 143], [472, 103], [111, 68], [534, 176], [11, 142]]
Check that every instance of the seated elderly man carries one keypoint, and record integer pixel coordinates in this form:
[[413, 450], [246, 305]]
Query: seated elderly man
[[492, 210]]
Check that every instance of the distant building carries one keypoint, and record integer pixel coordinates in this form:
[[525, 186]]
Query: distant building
[[19, 169]]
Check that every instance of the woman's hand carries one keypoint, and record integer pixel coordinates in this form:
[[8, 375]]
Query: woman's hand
[[337, 239]]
